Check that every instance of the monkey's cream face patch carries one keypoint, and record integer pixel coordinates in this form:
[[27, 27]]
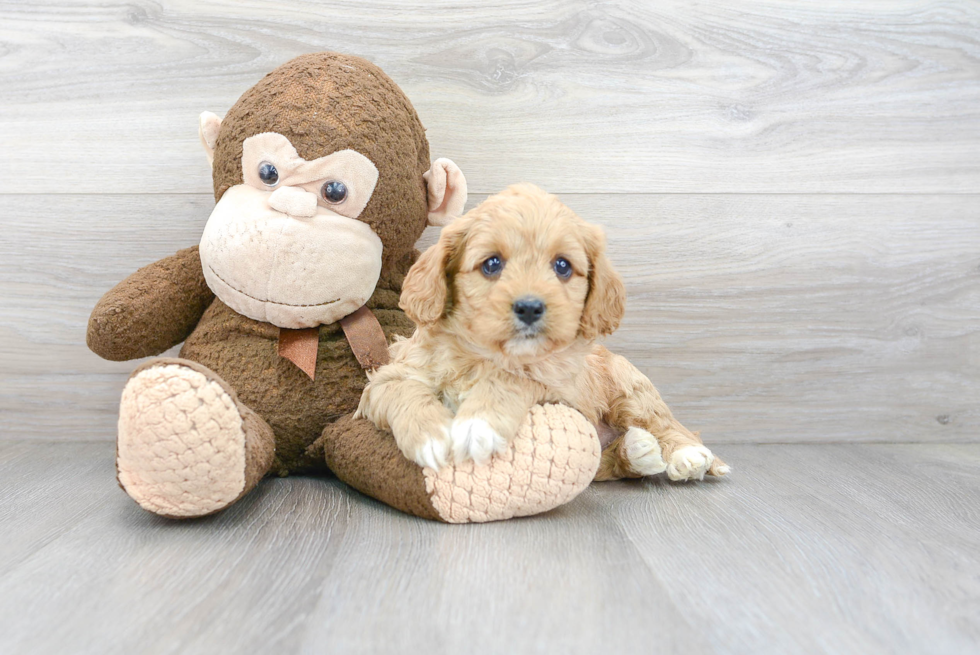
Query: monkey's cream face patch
[[291, 272], [286, 247], [355, 172]]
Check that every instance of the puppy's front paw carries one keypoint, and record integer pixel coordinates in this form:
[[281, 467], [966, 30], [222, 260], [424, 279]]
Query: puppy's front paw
[[433, 454], [428, 451], [689, 463], [642, 450], [473, 438]]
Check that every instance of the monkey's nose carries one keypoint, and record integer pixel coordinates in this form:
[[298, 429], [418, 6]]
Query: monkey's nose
[[293, 201], [529, 309]]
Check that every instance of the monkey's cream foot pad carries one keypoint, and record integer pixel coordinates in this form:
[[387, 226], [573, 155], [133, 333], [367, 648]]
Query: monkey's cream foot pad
[[181, 446], [553, 459]]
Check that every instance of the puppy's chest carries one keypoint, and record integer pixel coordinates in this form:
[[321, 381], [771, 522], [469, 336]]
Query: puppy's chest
[[567, 383], [543, 385], [459, 383]]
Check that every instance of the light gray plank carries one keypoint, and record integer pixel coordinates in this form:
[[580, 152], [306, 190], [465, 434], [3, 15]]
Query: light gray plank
[[832, 549], [758, 96], [47, 490], [307, 563], [556, 583], [828, 548], [138, 583], [760, 318]]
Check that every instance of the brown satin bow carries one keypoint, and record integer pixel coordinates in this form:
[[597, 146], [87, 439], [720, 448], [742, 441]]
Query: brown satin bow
[[364, 334]]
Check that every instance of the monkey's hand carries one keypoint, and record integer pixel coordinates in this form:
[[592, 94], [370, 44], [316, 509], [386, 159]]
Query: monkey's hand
[[152, 310]]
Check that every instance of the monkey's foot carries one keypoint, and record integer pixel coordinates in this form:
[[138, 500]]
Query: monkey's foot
[[551, 461], [186, 446]]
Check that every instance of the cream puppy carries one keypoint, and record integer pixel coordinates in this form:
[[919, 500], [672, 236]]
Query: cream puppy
[[509, 304]]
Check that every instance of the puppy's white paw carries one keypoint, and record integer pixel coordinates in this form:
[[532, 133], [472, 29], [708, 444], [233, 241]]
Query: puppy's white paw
[[473, 438], [642, 450], [433, 453], [689, 463]]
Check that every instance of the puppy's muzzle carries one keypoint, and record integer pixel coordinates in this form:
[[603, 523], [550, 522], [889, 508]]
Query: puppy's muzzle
[[529, 310]]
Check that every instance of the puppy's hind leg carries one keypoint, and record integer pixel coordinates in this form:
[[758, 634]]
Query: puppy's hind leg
[[688, 458], [635, 403], [635, 454]]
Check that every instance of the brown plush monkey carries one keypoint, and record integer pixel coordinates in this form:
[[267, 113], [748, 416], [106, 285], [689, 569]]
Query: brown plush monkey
[[323, 185]]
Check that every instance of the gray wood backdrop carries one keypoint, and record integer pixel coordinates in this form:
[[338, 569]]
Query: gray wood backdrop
[[790, 189]]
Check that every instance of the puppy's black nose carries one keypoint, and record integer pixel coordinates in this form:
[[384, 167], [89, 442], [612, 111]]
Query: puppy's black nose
[[529, 309]]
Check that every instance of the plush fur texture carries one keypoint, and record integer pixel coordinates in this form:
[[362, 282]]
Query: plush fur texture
[[152, 311], [245, 354], [327, 102], [463, 383], [276, 249], [367, 459]]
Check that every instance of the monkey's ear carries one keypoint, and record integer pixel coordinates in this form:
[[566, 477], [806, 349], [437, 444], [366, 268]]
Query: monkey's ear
[[208, 131], [446, 189]]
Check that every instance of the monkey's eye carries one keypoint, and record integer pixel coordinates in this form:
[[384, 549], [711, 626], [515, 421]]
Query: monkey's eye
[[334, 192], [268, 174], [563, 268], [492, 266]]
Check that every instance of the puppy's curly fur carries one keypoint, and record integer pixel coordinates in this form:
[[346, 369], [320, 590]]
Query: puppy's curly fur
[[509, 304]]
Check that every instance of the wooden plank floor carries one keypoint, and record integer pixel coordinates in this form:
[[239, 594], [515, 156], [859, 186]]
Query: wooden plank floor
[[871, 548]]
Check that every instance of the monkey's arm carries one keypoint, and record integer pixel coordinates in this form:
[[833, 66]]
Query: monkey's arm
[[152, 310]]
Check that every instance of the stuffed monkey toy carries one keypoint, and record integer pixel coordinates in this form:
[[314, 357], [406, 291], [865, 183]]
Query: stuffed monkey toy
[[323, 184]]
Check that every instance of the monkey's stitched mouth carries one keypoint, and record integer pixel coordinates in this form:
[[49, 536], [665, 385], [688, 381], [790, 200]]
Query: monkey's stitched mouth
[[271, 302]]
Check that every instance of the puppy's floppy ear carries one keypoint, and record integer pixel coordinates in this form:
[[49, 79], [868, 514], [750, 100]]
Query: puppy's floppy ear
[[606, 302], [425, 291]]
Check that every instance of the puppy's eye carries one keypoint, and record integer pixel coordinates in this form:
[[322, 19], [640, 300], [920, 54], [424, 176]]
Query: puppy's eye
[[492, 266], [268, 174], [334, 192], [563, 268]]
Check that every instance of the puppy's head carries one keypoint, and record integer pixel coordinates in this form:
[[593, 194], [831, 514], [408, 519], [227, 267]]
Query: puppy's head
[[521, 275]]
